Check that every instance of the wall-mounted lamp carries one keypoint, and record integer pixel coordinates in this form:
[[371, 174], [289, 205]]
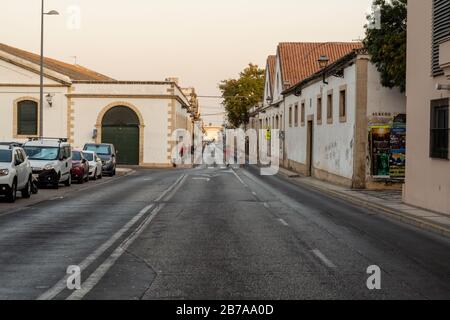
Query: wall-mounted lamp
[[323, 63], [49, 98]]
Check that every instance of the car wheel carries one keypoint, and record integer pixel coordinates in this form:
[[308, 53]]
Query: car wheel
[[34, 187], [11, 196], [68, 182], [26, 192], [56, 184]]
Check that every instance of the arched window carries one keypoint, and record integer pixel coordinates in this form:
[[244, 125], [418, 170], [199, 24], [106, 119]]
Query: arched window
[[27, 118]]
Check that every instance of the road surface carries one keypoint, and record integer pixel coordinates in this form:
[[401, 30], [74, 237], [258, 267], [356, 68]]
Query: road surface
[[214, 233]]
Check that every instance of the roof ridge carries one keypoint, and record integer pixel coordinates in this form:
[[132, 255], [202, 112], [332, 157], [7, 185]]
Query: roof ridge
[[297, 61], [73, 71]]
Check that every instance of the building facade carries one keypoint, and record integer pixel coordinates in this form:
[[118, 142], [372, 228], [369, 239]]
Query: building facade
[[428, 92], [85, 106], [338, 123], [340, 127]]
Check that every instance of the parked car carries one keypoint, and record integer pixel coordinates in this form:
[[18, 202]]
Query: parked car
[[95, 165], [80, 167], [15, 172], [108, 154], [51, 161]]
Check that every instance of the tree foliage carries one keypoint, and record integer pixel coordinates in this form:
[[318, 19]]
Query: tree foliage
[[387, 45], [242, 94]]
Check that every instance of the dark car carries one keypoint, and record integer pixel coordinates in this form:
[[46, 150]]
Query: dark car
[[80, 167], [107, 152]]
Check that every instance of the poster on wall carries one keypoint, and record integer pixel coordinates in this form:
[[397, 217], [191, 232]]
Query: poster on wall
[[397, 160], [381, 150]]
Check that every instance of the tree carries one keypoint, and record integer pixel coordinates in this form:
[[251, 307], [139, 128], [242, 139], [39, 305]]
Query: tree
[[242, 94], [386, 42]]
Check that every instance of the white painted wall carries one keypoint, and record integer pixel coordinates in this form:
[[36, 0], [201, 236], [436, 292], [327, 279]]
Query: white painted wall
[[382, 99], [278, 85], [86, 110], [153, 111], [333, 143], [55, 117]]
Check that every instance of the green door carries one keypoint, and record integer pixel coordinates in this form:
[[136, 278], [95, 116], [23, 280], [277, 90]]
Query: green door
[[126, 141]]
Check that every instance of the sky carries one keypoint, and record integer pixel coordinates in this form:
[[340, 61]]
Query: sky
[[200, 41]]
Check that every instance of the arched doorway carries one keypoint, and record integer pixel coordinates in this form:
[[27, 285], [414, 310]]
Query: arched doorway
[[120, 126]]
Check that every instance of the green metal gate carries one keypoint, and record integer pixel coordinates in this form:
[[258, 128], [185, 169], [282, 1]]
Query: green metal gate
[[126, 141]]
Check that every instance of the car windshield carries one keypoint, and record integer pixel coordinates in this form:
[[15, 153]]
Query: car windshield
[[99, 149], [76, 156], [88, 156], [42, 153], [5, 156]]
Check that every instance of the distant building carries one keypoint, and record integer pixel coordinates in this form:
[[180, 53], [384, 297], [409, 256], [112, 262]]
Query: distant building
[[212, 132], [82, 105], [428, 91]]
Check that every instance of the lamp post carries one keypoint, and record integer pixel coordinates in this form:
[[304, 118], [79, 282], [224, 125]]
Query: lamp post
[[323, 63], [41, 91]]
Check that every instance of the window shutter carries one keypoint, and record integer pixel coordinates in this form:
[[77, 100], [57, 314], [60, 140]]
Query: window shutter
[[27, 118], [441, 31]]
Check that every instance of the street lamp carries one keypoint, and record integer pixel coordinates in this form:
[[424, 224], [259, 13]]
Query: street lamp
[[323, 63], [41, 92]]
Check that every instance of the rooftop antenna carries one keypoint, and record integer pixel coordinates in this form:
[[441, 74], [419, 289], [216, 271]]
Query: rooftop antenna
[[75, 59]]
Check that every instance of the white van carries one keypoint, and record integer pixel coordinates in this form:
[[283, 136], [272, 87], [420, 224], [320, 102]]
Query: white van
[[51, 161]]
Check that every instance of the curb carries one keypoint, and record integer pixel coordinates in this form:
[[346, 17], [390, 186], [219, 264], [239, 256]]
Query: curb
[[398, 215]]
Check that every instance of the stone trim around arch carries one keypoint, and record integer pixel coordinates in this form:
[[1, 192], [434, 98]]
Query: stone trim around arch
[[103, 112], [16, 102]]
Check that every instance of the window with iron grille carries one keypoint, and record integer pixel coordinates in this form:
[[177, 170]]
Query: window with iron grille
[[439, 129], [319, 110], [296, 115], [27, 118], [441, 31]]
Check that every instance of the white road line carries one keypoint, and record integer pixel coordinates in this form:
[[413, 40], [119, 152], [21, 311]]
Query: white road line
[[204, 179], [239, 178], [266, 205], [254, 193], [99, 273], [324, 259], [62, 284], [283, 222]]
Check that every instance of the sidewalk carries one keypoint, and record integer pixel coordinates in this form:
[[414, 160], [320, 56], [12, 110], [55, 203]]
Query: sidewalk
[[386, 202]]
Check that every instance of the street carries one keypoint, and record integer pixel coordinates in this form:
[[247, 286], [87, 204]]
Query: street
[[213, 233]]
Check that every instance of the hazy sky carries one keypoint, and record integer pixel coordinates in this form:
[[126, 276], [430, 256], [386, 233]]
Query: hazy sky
[[199, 41]]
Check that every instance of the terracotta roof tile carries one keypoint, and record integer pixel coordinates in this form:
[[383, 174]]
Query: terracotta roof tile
[[299, 60], [74, 72], [271, 61]]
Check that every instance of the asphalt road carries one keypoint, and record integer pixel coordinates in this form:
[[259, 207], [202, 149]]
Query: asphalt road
[[214, 233]]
